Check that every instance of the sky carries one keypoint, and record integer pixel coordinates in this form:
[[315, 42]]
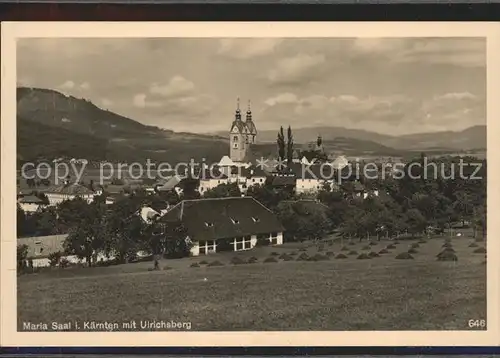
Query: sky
[[388, 85]]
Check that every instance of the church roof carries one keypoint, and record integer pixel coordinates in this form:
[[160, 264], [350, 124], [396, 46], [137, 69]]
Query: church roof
[[240, 125]]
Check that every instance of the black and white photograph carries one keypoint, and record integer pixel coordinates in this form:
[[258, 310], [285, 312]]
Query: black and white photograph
[[220, 184]]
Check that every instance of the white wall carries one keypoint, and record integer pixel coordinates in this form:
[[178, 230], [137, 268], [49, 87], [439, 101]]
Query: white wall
[[29, 207]]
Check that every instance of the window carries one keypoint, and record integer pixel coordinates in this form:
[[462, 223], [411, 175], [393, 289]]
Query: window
[[235, 145], [253, 180], [207, 224], [274, 238], [274, 234], [242, 243], [255, 219], [235, 221], [207, 246], [235, 138]]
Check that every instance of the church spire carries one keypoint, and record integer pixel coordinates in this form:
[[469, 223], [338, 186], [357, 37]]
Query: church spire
[[238, 112], [249, 112]]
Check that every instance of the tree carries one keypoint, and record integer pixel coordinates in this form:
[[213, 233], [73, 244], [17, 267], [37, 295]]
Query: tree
[[22, 255], [223, 191], [54, 258], [416, 221], [21, 221], [289, 146], [281, 145], [88, 237], [124, 229]]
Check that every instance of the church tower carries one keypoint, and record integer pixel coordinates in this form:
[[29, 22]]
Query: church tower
[[241, 135]]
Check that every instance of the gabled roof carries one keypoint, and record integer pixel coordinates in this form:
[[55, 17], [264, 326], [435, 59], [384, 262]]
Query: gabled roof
[[223, 218], [226, 161], [48, 244], [171, 183], [31, 199], [280, 180], [69, 189]]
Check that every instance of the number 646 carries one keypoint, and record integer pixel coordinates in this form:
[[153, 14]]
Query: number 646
[[477, 323]]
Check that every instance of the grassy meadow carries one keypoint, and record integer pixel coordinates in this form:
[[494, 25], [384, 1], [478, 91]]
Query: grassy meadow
[[381, 293]]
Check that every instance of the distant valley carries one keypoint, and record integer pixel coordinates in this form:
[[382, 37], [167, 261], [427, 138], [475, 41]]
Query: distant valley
[[51, 124]]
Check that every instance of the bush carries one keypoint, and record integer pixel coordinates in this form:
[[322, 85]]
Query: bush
[[270, 260], [412, 251], [302, 257], [318, 257], [396, 242], [372, 243], [195, 265], [166, 268], [404, 256], [286, 257], [63, 263], [341, 256], [415, 246], [303, 249], [390, 247], [203, 262], [294, 253], [344, 248], [384, 251], [447, 256], [366, 247], [363, 256], [330, 253], [54, 258], [353, 252], [215, 263], [373, 254], [422, 241], [351, 243], [447, 244], [473, 244], [274, 253], [479, 250], [252, 260], [237, 261]]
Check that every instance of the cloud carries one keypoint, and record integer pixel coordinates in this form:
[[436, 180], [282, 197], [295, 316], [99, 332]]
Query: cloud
[[247, 48], [284, 98], [85, 86], [296, 69], [389, 113], [67, 85], [106, 102], [457, 96], [177, 86], [142, 101]]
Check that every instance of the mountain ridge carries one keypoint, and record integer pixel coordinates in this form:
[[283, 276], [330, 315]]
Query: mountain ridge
[[76, 127]]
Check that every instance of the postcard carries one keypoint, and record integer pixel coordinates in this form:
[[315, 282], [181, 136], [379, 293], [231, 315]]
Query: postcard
[[249, 184]]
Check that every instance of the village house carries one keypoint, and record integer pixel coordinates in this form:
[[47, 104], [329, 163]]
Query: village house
[[41, 247], [221, 224], [210, 178], [172, 184], [69, 191], [30, 203]]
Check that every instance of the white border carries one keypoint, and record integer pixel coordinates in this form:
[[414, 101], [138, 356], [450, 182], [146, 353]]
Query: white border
[[13, 30]]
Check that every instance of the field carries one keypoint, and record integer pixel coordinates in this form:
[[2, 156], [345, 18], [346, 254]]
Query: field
[[382, 293]]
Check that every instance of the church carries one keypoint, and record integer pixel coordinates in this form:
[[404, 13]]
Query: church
[[241, 135]]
